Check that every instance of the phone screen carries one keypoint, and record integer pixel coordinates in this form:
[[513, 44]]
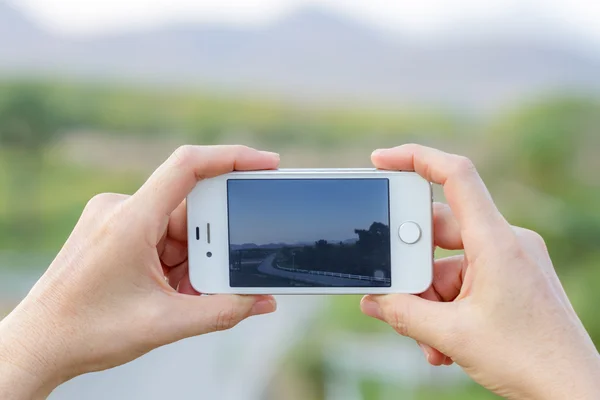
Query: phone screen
[[309, 232]]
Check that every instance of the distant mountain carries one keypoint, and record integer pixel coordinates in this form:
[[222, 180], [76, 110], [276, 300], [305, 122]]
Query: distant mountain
[[249, 246], [21, 42], [312, 55], [245, 246], [12, 22]]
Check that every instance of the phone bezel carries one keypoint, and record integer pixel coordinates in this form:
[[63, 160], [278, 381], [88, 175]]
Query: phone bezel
[[410, 198]]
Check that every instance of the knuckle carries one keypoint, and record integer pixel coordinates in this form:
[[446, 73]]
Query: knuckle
[[535, 238], [107, 210], [98, 201], [410, 147], [463, 165], [238, 149], [102, 202], [512, 246], [399, 318], [528, 236], [183, 155], [226, 319]]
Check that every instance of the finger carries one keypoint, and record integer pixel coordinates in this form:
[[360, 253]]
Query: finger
[[173, 253], [189, 316], [466, 193], [176, 275], [433, 356], [448, 274], [177, 228], [446, 230], [423, 320], [185, 285], [170, 184]]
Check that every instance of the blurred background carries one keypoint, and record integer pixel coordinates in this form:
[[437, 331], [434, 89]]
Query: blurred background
[[95, 94]]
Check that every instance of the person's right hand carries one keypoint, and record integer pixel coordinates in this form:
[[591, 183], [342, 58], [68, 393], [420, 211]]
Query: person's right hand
[[499, 311]]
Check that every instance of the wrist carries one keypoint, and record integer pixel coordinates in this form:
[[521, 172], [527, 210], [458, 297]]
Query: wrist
[[17, 383], [577, 380], [28, 369]]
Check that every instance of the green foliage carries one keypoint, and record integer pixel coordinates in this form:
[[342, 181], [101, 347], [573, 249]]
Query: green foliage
[[549, 149], [547, 139], [61, 193], [28, 118], [206, 118], [29, 121]]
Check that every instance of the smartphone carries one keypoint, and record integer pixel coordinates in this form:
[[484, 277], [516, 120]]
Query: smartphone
[[311, 231]]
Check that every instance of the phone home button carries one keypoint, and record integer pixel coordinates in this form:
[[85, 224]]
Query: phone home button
[[409, 232]]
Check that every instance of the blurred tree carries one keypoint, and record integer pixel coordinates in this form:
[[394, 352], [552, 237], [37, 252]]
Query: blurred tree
[[548, 139], [29, 121], [547, 149]]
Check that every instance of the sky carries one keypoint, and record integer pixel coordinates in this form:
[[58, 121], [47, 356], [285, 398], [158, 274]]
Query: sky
[[292, 211], [420, 17]]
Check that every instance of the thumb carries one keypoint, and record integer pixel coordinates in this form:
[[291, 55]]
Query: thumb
[[190, 316], [169, 185], [412, 316]]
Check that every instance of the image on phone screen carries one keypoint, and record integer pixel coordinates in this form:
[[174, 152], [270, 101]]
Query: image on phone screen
[[309, 232]]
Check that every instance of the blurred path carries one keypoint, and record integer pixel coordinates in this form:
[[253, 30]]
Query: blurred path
[[232, 365]]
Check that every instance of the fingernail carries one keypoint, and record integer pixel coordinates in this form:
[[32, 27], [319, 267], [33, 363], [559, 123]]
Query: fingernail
[[377, 152], [265, 306], [371, 308]]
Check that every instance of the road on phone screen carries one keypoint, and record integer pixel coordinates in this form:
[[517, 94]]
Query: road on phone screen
[[269, 267]]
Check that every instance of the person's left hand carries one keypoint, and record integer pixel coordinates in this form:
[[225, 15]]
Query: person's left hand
[[120, 286]]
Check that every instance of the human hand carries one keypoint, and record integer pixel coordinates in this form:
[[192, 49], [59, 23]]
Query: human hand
[[120, 286], [499, 311]]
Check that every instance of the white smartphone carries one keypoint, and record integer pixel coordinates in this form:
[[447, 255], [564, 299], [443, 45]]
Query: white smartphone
[[311, 231]]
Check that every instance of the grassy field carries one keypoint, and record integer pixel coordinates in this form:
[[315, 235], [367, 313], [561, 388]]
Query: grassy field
[[48, 210]]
